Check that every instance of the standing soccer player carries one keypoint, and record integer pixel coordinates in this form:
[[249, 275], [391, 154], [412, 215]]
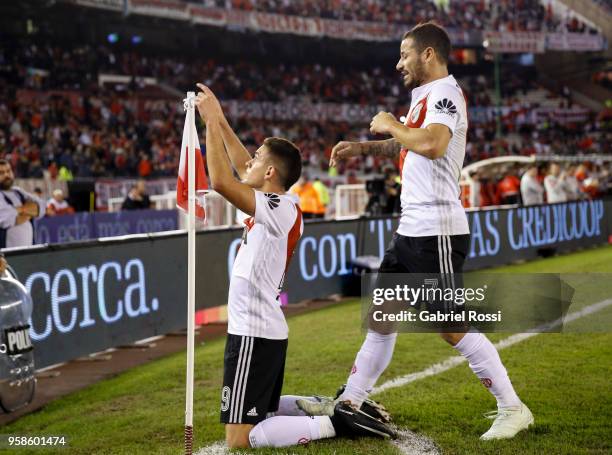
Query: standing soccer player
[[433, 233], [256, 344]]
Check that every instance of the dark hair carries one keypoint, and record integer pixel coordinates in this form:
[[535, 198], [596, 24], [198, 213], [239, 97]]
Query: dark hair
[[4, 162], [287, 158], [430, 34]]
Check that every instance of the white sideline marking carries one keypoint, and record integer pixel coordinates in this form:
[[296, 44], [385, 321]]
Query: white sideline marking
[[216, 448], [410, 443], [452, 362]]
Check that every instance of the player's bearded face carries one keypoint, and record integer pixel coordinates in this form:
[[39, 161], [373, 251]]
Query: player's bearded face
[[411, 65]]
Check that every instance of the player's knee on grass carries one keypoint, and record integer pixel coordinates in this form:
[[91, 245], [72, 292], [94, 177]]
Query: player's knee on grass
[[237, 435], [452, 338]]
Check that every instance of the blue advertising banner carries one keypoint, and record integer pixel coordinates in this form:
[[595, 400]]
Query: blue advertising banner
[[95, 295], [89, 226]]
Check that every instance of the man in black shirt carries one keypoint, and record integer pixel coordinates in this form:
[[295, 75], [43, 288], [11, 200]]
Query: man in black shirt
[[137, 198]]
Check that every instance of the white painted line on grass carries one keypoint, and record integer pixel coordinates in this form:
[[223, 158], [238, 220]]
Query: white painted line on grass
[[452, 362], [410, 443]]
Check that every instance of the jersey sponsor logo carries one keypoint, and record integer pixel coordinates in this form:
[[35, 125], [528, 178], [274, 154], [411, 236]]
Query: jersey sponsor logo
[[446, 106], [252, 412], [273, 200], [486, 382]]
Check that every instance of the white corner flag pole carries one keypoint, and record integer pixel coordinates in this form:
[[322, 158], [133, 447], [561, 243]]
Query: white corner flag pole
[[191, 262]]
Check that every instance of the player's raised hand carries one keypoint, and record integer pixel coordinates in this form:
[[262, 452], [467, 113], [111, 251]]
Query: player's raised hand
[[381, 123], [208, 105], [344, 150]]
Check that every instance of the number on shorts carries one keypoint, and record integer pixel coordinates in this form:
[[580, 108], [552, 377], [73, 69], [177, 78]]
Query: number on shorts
[[225, 398]]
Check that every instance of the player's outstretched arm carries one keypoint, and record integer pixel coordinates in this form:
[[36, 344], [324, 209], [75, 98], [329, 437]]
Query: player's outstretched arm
[[237, 152], [430, 142], [220, 172], [344, 150]]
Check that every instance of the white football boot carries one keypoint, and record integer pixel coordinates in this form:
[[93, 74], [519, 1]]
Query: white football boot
[[508, 422]]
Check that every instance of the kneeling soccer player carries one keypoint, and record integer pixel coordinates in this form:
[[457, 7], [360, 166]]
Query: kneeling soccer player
[[257, 331]]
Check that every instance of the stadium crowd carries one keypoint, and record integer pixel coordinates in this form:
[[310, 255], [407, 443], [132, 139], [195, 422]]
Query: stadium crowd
[[107, 136], [95, 131], [538, 183], [66, 125]]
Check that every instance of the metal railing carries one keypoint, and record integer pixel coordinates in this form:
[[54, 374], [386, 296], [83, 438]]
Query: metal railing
[[350, 201], [219, 212]]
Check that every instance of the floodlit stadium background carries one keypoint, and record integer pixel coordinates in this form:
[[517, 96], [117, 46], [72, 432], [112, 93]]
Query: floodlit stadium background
[[91, 102]]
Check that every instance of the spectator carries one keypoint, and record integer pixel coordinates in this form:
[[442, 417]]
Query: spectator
[[488, 191], [58, 205], [310, 203], [18, 209], [508, 188], [392, 188], [532, 191], [554, 184], [572, 187], [474, 196], [322, 192], [145, 168], [137, 198], [38, 192]]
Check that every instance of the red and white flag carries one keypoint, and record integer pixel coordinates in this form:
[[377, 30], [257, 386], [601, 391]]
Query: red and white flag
[[201, 183]]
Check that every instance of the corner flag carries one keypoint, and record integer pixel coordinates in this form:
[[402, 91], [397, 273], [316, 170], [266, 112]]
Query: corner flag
[[201, 183]]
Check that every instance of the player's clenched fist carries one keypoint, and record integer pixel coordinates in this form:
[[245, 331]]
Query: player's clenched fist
[[381, 123], [343, 150], [208, 105]]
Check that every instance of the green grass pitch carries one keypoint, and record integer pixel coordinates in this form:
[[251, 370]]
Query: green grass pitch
[[564, 378]]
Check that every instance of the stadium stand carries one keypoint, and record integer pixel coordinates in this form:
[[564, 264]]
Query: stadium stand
[[516, 15], [92, 109]]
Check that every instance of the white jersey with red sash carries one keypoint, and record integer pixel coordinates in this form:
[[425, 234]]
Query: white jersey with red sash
[[430, 195], [268, 242]]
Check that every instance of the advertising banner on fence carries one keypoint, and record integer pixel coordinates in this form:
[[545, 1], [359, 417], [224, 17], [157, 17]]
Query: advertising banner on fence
[[90, 297], [89, 226], [168, 9], [337, 112], [574, 42], [235, 19], [515, 42], [357, 113], [115, 5]]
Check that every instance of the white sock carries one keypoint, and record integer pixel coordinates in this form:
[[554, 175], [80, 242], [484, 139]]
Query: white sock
[[486, 364], [371, 361], [284, 431], [287, 405]]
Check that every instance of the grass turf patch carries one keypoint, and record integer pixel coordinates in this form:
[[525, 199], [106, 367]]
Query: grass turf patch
[[564, 378]]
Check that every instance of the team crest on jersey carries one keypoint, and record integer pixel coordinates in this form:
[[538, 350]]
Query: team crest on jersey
[[273, 200], [414, 116], [446, 106]]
